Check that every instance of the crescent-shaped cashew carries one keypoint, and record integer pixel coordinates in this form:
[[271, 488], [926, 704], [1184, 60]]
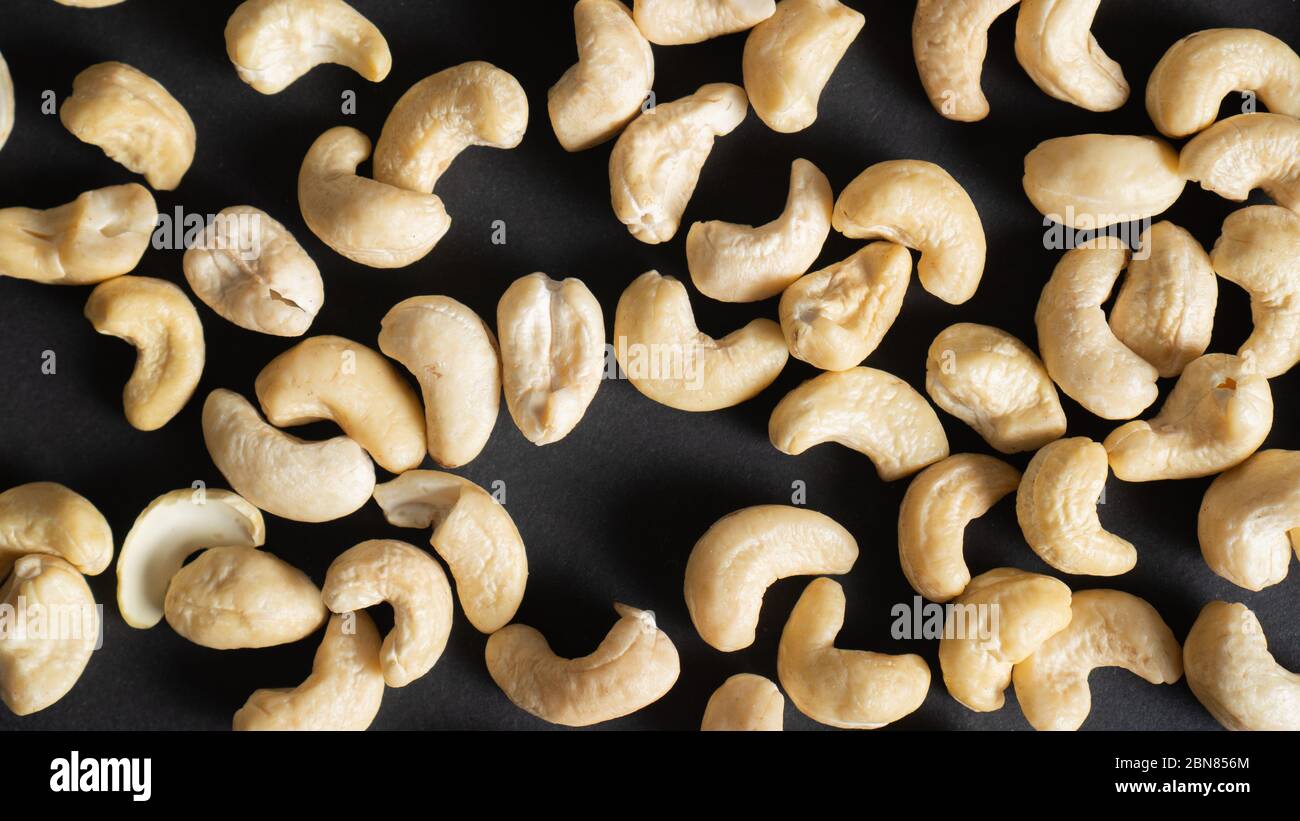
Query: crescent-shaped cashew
[[932, 519], [1249, 522], [1091, 181], [471, 104], [50, 519], [350, 384], [682, 22], [166, 533], [918, 204], [1259, 250], [343, 692], [1056, 506], [864, 409], [634, 666], [949, 41], [472, 533], [1055, 46], [657, 160], [1218, 414], [455, 358], [600, 94], [740, 263], [1108, 628], [745, 702], [364, 220], [274, 42], [134, 120], [385, 570], [100, 235], [1189, 83], [836, 317], [1235, 677], [853, 689], [160, 321], [668, 359], [282, 474], [1248, 151], [6, 102], [744, 552]]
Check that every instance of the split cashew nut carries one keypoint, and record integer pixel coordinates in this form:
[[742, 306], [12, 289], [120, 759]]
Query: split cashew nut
[[1250, 519], [1248, 151], [681, 22], [1091, 181], [745, 702], [50, 519], [1232, 673]]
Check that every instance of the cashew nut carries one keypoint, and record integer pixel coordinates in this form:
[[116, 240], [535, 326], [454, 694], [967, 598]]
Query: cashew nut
[[158, 319], [670, 360], [1218, 414], [89, 4], [1259, 250], [1245, 152], [379, 225], [455, 358], [1056, 48], [854, 689], [343, 692], [1056, 506], [274, 42], [932, 519], [656, 162], [740, 263], [634, 666], [472, 533], [172, 527], [100, 235], [473, 103], [836, 317], [1189, 83], [949, 42], [681, 22], [1091, 181], [918, 204], [597, 96], [1232, 673], [282, 474], [864, 409], [50, 519], [329, 377], [134, 120], [744, 552], [552, 354], [384, 570], [6, 102], [1250, 519], [745, 702]]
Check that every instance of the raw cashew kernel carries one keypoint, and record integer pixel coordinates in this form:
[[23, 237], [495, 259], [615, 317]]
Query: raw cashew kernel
[[50, 519], [681, 22], [949, 41], [634, 666], [1259, 250], [1091, 181], [1056, 48], [1232, 673], [745, 702], [854, 689], [6, 102], [1250, 519], [744, 552], [89, 4], [1248, 151]]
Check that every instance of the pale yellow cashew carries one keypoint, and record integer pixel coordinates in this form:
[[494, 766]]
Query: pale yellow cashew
[[1091, 181], [1249, 522], [1056, 48], [744, 702], [6, 102], [949, 41], [89, 4], [1235, 677], [1259, 250], [50, 519], [681, 22], [1245, 152]]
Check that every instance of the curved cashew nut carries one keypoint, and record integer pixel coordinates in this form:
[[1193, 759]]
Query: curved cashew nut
[[473, 103], [455, 358], [670, 360], [160, 321], [656, 162], [1249, 521], [364, 220], [949, 41], [744, 552], [682, 22], [1056, 48], [384, 570], [1259, 250], [6, 102], [870, 411], [1108, 628], [918, 204], [134, 120], [790, 56], [552, 338], [100, 235], [472, 533], [89, 4], [1091, 181], [745, 702], [343, 692], [634, 666], [36, 670], [166, 532], [740, 263], [1245, 152], [231, 598], [329, 377], [1232, 673], [836, 317], [1218, 414], [1056, 506], [282, 474], [996, 384], [932, 519], [274, 42], [1003, 616], [854, 689], [1189, 83], [600, 94], [50, 519]]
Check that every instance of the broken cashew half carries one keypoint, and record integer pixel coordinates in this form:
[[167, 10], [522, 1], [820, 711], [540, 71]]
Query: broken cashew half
[[1248, 151], [1259, 250], [682, 22], [1232, 673], [6, 102], [50, 519], [1249, 523], [1056, 48], [744, 702], [1091, 181]]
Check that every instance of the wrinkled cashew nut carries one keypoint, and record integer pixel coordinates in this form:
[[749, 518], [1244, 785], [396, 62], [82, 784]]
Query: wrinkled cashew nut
[[745, 702], [6, 102], [682, 22], [1091, 181], [1248, 151], [1056, 48], [949, 42], [50, 519], [1232, 673], [1259, 250], [1249, 522]]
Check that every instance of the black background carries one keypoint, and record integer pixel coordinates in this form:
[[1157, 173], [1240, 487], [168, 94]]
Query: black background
[[611, 512]]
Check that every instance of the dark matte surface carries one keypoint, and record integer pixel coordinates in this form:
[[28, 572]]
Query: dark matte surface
[[612, 511]]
